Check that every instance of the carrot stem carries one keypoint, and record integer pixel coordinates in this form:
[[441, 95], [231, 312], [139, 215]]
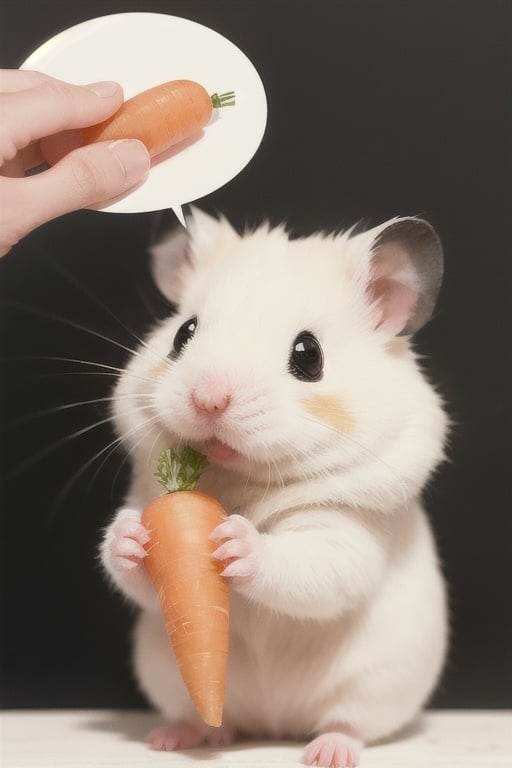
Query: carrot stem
[[180, 470], [223, 99]]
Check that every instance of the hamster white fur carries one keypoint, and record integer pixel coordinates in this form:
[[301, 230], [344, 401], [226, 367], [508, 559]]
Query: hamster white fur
[[338, 626]]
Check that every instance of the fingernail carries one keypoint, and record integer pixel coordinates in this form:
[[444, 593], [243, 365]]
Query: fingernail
[[133, 156], [106, 88]]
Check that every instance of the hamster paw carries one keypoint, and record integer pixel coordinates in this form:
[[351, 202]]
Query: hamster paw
[[241, 551], [175, 736], [124, 545], [184, 735], [333, 750], [222, 736]]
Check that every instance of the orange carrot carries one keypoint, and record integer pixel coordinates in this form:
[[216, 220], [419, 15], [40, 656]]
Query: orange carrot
[[161, 116], [194, 597]]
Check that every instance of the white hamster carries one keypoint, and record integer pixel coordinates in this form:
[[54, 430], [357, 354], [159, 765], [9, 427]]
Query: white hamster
[[289, 364]]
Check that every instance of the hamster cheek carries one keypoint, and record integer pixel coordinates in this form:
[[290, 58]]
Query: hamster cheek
[[330, 410], [157, 370]]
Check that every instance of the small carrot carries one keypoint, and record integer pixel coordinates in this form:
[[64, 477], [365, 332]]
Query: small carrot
[[161, 116], [194, 597]]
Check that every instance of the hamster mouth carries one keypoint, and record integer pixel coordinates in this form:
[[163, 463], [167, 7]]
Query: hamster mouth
[[216, 449]]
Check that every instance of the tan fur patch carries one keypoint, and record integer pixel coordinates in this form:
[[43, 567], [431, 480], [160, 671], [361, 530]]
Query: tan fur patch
[[156, 371], [329, 410]]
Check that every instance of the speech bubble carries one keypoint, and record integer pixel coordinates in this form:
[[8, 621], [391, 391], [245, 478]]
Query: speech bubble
[[140, 50]]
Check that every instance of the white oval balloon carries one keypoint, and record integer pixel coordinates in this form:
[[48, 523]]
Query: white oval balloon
[[140, 50]]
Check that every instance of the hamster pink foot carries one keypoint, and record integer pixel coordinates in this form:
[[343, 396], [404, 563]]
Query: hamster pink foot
[[333, 750], [183, 735]]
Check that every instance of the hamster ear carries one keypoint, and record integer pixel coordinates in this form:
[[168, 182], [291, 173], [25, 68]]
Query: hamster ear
[[204, 231], [406, 270], [175, 253], [170, 263]]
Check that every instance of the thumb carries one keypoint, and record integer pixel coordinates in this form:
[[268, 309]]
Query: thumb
[[86, 176]]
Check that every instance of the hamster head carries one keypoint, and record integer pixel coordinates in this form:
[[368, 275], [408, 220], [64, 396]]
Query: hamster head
[[291, 358]]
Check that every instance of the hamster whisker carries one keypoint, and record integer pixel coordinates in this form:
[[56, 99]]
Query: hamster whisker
[[285, 445], [93, 373], [114, 368], [272, 468], [49, 449], [277, 470], [59, 408], [77, 326], [150, 452], [118, 442], [247, 481], [94, 298], [343, 436], [127, 454], [110, 448], [269, 480]]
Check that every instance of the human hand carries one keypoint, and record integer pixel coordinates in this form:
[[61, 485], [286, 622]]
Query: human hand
[[40, 118]]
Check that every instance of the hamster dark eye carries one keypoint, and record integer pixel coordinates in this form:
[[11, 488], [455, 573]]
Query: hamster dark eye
[[183, 336], [306, 358]]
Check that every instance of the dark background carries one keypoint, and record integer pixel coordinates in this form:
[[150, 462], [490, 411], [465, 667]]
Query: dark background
[[375, 109]]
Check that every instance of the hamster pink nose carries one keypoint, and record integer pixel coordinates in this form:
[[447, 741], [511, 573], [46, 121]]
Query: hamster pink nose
[[210, 403]]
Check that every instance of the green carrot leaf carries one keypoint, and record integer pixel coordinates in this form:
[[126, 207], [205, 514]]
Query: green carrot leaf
[[180, 470], [223, 99]]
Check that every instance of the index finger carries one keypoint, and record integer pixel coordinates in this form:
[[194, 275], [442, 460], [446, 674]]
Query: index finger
[[53, 106], [20, 79]]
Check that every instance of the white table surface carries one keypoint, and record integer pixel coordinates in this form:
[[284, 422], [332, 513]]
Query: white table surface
[[100, 739]]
